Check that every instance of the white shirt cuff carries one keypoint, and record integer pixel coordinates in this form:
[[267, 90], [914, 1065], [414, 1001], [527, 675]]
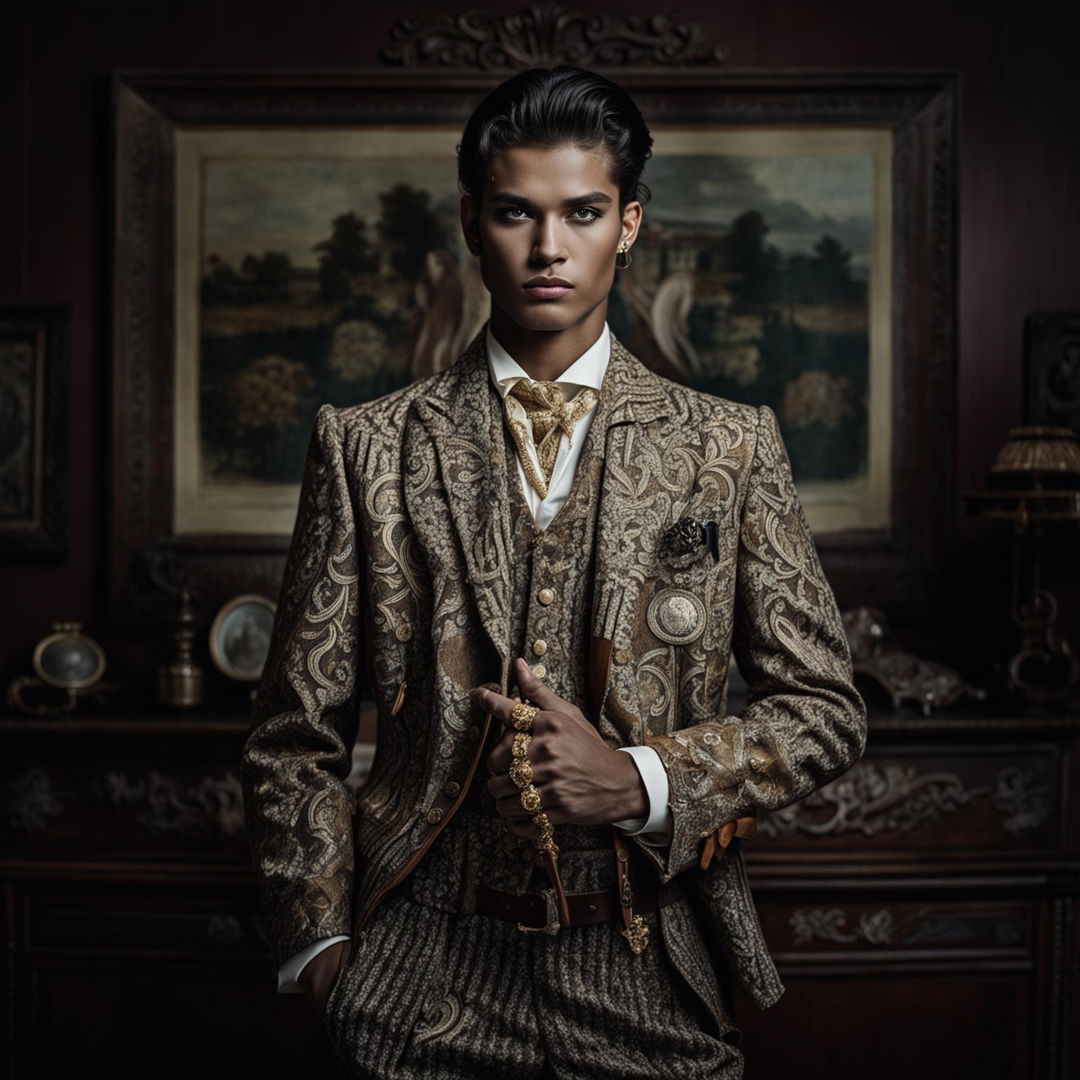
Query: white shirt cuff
[[657, 826], [289, 972]]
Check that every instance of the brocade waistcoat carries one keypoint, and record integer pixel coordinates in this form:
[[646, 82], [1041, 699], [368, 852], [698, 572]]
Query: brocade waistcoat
[[552, 575]]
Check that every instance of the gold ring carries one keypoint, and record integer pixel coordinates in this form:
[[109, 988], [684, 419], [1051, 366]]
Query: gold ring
[[521, 772], [530, 799], [522, 716], [546, 840]]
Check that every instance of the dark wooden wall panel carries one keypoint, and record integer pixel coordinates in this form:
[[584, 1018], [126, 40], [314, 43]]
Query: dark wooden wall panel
[[1019, 219]]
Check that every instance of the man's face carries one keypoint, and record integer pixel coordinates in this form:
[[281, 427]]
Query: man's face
[[549, 213]]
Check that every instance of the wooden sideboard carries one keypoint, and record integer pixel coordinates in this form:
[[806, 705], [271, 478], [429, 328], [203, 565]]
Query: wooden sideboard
[[920, 908]]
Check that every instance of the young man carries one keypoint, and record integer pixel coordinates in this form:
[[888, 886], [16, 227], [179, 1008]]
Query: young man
[[531, 882]]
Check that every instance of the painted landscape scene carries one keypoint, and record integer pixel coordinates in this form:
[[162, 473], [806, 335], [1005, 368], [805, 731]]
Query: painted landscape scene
[[339, 279]]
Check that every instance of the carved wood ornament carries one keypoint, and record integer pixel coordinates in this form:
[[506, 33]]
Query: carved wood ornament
[[545, 34]]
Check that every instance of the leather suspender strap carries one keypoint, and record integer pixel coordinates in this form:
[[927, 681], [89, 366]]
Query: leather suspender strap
[[561, 902]]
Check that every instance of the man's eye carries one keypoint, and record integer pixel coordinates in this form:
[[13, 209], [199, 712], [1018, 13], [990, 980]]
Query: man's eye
[[509, 213]]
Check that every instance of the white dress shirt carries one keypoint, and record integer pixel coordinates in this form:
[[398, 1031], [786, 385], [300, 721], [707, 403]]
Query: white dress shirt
[[587, 370]]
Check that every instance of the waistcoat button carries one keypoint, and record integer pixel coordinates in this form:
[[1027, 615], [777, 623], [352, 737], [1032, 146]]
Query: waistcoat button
[[434, 816], [452, 788], [539, 646], [403, 632], [546, 596], [539, 671]]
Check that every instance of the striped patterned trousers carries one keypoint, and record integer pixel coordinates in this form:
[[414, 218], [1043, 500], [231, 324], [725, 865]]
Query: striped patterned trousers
[[432, 994]]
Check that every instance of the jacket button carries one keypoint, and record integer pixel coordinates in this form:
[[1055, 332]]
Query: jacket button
[[539, 646], [539, 670], [546, 596], [403, 631], [434, 816], [452, 788]]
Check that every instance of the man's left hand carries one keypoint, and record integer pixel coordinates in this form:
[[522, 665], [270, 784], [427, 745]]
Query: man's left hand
[[581, 780]]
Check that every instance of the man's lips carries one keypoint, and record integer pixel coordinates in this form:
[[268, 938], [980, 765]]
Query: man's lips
[[547, 292]]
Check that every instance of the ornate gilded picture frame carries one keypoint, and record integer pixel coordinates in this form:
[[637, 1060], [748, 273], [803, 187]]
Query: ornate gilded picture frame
[[835, 190]]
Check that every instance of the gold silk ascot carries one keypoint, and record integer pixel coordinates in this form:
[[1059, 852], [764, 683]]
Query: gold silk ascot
[[551, 415]]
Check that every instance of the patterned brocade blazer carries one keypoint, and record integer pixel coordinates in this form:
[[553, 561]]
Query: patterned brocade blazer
[[397, 585]]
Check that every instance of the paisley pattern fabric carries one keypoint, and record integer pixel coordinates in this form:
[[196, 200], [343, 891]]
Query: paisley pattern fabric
[[401, 572]]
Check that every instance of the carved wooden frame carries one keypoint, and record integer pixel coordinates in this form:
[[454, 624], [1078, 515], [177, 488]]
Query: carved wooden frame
[[898, 570], [46, 328]]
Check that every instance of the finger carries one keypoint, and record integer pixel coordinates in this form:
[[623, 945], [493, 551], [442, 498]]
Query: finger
[[725, 833], [536, 690], [500, 706], [498, 761], [502, 787], [708, 849], [509, 807], [747, 827]]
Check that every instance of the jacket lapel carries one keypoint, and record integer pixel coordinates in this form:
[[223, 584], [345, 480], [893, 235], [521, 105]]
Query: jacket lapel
[[461, 416]]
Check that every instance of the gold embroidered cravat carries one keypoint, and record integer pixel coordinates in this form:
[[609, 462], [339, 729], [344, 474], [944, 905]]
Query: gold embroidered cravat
[[551, 415]]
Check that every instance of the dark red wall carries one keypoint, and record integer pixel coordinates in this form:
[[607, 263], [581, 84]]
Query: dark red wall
[[1019, 185]]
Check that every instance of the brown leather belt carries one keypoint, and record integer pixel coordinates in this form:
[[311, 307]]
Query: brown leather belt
[[588, 907]]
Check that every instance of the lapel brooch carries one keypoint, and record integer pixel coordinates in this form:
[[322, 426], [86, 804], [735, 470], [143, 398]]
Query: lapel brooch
[[688, 540]]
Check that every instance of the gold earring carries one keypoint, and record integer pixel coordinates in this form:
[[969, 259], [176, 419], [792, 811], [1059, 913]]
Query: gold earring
[[624, 249]]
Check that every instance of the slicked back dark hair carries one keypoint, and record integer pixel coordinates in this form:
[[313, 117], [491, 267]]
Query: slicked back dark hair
[[547, 107]]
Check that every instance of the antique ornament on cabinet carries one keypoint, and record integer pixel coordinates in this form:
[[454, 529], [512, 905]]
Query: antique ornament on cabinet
[[1035, 484], [181, 683], [65, 660], [901, 674]]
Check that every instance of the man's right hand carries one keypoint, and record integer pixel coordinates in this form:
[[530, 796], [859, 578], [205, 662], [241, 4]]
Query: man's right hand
[[321, 973]]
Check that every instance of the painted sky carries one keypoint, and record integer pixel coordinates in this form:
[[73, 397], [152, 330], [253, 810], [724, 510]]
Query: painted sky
[[261, 205], [801, 196]]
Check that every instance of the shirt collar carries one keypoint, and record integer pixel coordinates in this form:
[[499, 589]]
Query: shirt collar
[[587, 370]]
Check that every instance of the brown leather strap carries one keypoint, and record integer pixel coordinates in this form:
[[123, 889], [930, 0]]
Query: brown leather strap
[[584, 908]]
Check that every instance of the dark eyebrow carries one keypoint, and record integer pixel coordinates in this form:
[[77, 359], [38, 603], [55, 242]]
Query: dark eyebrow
[[526, 204]]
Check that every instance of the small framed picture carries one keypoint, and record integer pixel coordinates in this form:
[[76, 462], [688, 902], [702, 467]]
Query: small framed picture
[[67, 658], [240, 636]]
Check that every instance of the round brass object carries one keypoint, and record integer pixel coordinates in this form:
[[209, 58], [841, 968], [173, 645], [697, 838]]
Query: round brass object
[[676, 616]]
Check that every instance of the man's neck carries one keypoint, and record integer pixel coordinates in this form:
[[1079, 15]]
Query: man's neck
[[544, 355]]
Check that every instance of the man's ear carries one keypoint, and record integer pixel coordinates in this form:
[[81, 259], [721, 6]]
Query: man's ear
[[632, 215]]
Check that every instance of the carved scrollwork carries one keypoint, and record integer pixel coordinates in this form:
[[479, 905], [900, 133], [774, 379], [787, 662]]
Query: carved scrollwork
[[1022, 803], [213, 807], [32, 800], [830, 924], [919, 928], [872, 799], [545, 34]]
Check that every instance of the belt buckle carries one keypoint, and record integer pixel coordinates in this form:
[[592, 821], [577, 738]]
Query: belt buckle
[[551, 926]]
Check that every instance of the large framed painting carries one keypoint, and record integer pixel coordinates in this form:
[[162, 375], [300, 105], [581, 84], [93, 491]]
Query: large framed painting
[[286, 240]]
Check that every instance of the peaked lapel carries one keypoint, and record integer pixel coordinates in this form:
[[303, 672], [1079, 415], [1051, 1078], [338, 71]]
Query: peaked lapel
[[462, 416]]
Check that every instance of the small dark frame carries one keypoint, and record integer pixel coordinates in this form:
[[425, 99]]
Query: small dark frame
[[39, 422], [898, 569], [1052, 369]]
